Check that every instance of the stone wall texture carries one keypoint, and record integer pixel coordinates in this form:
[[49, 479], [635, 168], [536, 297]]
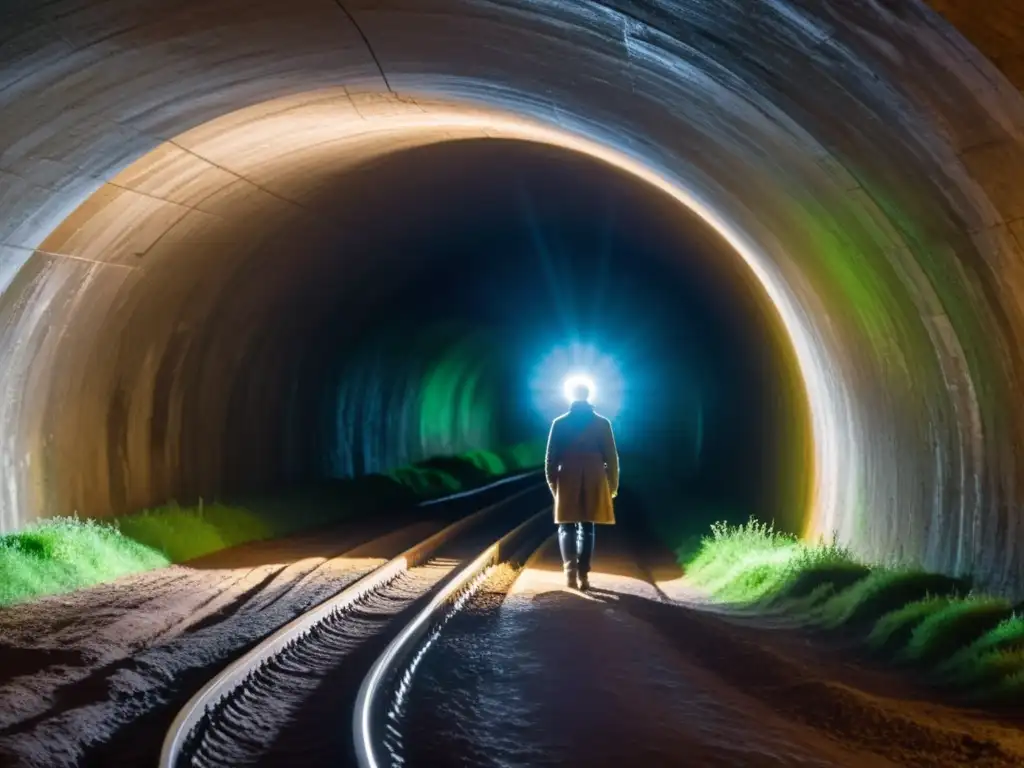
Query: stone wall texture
[[160, 157], [995, 29]]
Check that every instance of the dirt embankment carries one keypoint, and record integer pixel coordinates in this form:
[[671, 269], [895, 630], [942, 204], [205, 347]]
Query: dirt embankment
[[95, 677], [639, 672]]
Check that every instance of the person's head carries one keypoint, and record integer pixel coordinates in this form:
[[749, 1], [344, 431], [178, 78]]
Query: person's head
[[580, 392]]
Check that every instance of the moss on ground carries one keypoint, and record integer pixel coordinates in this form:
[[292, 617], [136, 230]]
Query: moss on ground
[[62, 554], [963, 641]]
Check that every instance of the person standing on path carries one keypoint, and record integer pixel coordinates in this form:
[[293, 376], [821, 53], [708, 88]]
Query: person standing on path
[[582, 470]]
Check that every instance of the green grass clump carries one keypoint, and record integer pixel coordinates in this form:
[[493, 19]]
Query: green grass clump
[[892, 632], [999, 653], [742, 563], [956, 626], [754, 563], [817, 578], [61, 554], [885, 590], [995, 673], [424, 481], [1009, 690], [487, 462], [802, 604], [970, 642], [185, 533], [515, 458], [450, 474], [524, 455]]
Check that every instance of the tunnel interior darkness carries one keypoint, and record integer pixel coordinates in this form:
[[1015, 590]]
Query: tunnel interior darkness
[[413, 329], [173, 212], [517, 251], [339, 318]]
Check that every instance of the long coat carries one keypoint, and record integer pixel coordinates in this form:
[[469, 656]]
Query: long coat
[[582, 466]]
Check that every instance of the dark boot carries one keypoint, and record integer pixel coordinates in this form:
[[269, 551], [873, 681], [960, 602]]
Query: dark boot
[[584, 582], [570, 577]]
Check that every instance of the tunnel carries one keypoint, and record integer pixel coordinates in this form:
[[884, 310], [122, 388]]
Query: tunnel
[[525, 264], [222, 269]]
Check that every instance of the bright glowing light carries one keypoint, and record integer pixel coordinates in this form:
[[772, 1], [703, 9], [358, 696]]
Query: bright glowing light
[[333, 130], [563, 368], [574, 381]]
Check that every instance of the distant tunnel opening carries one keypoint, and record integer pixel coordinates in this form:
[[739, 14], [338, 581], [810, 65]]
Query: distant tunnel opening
[[522, 262]]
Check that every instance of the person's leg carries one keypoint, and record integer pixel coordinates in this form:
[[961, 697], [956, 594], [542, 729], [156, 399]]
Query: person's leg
[[586, 538], [567, 545]]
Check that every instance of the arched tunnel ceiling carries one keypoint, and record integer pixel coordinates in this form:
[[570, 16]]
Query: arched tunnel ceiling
[[863, 156], [996, 29]]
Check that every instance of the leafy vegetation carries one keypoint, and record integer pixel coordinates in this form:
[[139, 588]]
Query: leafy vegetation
[[885, 590], [996, 655]]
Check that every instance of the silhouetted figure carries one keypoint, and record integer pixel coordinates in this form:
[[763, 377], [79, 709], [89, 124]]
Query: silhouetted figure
[[582, 469]]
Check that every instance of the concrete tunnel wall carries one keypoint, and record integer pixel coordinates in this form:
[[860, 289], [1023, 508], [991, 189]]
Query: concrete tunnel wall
[[401, 397], [863, 156]]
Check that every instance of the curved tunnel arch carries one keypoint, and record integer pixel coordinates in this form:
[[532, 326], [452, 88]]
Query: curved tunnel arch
[[173, 292], [872, 196]]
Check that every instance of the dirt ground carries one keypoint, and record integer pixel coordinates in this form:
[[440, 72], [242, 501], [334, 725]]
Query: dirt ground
[[640, 672], [93, 678]]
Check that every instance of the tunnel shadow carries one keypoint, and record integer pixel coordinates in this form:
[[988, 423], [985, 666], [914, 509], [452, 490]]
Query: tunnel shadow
[[631, 536], [790, 669], [342, 523], [564, 598], [355, 517], [740, 654], [652, 553], [792, 672]]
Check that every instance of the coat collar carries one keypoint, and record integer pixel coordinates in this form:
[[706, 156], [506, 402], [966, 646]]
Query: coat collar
[[579, 406]]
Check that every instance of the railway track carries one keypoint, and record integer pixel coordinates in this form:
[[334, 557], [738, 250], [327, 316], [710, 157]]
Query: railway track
[[287, 700]]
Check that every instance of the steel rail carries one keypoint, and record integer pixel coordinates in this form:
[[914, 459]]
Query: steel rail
[[389, 665], [236, 674]]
